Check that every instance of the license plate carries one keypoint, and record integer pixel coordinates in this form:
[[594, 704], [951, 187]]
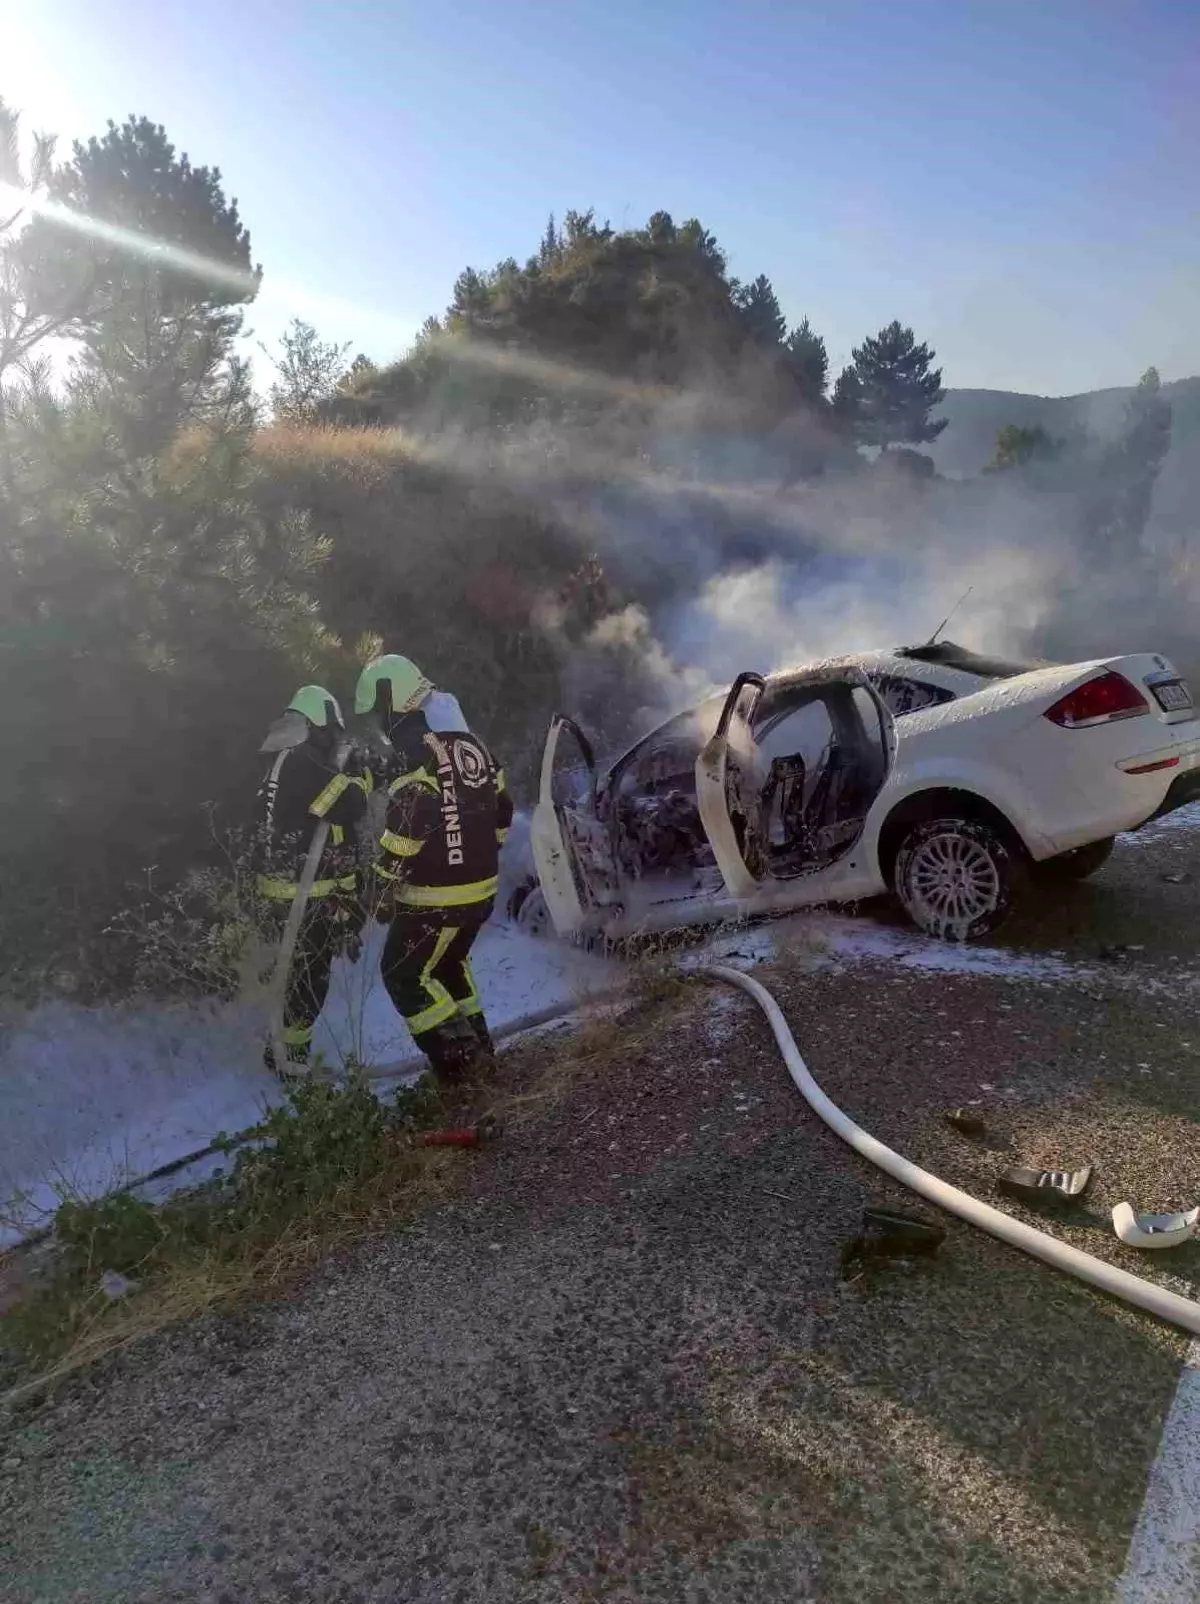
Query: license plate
[[1174, 697]]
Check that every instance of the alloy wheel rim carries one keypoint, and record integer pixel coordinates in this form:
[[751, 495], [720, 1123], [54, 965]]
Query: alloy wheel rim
[[954, 879]]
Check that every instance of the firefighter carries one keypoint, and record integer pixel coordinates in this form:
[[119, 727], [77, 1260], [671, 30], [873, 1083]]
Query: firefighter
[[303, 787], [448, 811]]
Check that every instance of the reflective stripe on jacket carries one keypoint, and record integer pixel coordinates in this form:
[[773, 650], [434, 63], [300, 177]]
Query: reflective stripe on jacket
[[299, 791]]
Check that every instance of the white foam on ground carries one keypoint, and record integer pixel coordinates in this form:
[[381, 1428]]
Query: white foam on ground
[[516, 975], [1163, 1566], [91, 1098], [739, 949], [1183, 819], [850, 941]]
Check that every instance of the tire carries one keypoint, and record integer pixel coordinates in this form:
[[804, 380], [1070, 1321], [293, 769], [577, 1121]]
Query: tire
[[528, 911], [1076, 865], [956, 878]]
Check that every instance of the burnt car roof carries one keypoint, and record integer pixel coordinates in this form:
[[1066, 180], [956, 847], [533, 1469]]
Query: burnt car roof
[[949, 654]]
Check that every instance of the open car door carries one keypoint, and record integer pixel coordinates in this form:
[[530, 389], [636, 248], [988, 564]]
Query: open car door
[[785, 784], [729, 779], [571, 848]]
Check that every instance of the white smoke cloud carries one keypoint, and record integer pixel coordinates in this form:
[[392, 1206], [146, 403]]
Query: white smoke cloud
[[720, 565], [772, 615]]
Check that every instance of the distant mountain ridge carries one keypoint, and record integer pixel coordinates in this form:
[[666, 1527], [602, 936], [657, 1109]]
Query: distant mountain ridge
[[976, 416]]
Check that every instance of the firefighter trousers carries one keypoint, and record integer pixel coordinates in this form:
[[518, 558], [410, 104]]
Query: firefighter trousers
[[426, 967]]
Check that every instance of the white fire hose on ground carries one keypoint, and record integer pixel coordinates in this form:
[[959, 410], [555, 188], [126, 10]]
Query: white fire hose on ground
[[277, 992], [1131, 1289], [1156, 1300]]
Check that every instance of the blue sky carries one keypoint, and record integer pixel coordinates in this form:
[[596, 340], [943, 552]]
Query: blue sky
[[1018, 180]]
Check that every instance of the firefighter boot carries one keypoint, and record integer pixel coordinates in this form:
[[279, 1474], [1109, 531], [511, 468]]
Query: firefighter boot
[[445, 1048], [294, 1067], [295, 1063], [481, 1050]]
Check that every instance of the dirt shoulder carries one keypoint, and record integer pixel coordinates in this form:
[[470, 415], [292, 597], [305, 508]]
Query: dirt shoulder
[[624, 1363]]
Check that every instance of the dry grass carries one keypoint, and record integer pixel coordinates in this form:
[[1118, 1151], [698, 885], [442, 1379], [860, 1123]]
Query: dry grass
[[550, 1066], [325, 444], [95, 1327]]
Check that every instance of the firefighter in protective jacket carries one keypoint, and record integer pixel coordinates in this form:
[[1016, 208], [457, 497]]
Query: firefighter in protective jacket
[[304, 786], [448, 811]]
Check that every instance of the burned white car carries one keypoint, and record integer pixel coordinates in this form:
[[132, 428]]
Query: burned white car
[[801, 788]]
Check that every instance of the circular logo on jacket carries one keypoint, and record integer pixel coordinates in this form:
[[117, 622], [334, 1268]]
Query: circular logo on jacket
[[471, 764]]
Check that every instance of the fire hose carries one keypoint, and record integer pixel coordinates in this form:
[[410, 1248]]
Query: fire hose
[[1132, 1289], [277, 990]]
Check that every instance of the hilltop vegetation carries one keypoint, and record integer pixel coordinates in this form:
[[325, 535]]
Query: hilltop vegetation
[[567, 449]]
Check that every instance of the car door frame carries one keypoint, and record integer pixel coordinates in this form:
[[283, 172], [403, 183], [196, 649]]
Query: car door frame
[[742, 880], [577, 899]]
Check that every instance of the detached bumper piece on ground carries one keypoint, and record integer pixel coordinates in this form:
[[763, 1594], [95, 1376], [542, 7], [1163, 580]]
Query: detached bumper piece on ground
[[888, 1235], [1045, 1186], [1155, 1230], [966, 1123]]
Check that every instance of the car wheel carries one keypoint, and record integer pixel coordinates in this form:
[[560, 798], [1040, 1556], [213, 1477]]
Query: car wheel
[[956, 878], [1076, 865], [528, 911]]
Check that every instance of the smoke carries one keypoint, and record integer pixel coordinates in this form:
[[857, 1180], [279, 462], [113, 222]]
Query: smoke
[[731, 576], [719, 559]]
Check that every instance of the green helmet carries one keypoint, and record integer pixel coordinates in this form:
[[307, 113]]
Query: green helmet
[[318, 705], [312, 708], [391, 684]]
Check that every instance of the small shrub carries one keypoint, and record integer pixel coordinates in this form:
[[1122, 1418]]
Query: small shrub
[[117, 1233], [209, 934], [324, 1141], [325, 1166]]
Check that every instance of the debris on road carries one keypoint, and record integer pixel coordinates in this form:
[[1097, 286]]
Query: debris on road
[[889, 1234], [1117, 950], [1045, 1186], [1155, 1230], [966, 1123]]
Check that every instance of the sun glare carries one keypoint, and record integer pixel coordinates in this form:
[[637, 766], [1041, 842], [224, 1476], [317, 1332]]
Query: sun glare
[[158, 251]]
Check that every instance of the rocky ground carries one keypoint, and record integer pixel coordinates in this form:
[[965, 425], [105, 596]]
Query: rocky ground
[[624, 1363]]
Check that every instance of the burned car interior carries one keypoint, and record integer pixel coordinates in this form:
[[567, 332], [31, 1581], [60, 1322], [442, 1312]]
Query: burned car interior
[[805, 763], [829, 765]]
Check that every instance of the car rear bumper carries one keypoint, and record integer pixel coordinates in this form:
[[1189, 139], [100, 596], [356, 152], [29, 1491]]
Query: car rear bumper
[[1118, 790], [1183, 789]]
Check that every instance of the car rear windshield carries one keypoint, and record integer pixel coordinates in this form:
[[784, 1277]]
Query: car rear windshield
[[952, 656]]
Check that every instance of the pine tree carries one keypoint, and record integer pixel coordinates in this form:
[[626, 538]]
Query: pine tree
[[167, 277], [548, 253], [809, 360], [1129, 469], [761, 313], [846, 405], [1019, 447], [898, 389], [308, 371]]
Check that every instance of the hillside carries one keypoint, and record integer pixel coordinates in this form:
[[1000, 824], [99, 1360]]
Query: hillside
[[977, 415]]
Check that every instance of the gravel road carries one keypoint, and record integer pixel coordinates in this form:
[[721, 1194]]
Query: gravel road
[[623, 1363]]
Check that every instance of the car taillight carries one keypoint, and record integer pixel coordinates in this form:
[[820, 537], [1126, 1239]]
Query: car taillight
[[1108, 696]]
